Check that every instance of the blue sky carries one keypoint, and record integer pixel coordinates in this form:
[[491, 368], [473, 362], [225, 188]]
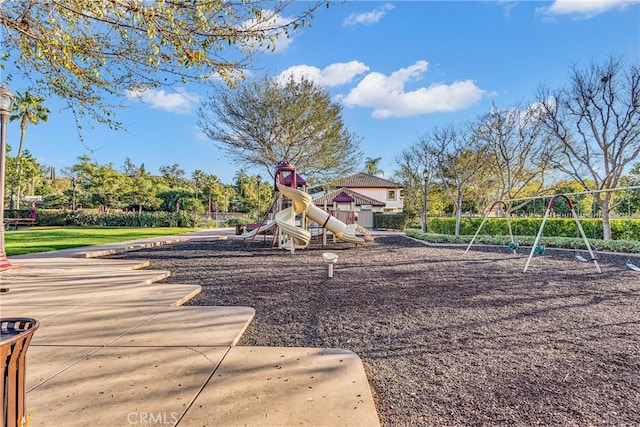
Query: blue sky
[[399, 69]]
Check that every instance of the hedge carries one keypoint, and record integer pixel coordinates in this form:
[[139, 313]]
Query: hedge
[[627, 246], [56, 217], [621, 229], [384, 221]]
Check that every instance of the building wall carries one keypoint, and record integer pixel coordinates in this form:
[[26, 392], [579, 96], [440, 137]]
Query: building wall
[[390, 196], [365, 219]]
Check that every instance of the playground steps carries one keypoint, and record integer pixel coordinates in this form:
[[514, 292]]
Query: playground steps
[[116, 348]]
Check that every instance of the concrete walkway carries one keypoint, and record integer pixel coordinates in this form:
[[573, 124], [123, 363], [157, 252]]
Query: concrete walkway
[[115, 348]]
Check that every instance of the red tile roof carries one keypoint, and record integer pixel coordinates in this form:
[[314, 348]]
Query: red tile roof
[[364, 180], [359, 199]]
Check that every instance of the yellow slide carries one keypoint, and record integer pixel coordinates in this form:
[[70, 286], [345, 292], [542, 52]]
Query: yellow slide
[[296, 237]]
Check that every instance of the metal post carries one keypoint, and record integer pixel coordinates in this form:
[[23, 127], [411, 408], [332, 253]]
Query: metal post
[[73, 194], [425, 220], [484, 220], [478, 230], [259, 179], [535, 243], [6, 105], [586, 241]]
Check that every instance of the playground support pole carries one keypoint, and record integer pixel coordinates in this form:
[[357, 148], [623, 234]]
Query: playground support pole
[[508, 216], [484, 220], [586, 241], [478, 230], [575, 217], [535, 243]]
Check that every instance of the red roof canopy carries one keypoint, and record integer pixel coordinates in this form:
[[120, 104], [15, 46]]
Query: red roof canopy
[[299, 180], [343, 197]]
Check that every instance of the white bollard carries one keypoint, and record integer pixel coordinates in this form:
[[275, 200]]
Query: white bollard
[[330, 258]]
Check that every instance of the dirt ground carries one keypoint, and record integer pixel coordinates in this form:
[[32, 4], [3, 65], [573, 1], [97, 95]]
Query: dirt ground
[[447, 339]]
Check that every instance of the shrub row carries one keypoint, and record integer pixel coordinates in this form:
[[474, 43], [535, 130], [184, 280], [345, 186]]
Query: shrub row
[[392, 221], [621, 229], [627, 246], [114, 219]]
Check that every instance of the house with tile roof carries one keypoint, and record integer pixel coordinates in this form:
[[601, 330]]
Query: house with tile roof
[[362, 195]]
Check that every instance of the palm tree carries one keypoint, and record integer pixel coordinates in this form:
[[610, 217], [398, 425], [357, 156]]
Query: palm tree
[[198, 176], [28, 108], [371, 166]]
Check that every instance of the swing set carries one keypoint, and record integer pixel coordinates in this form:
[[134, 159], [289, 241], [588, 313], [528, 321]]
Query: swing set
[[580, 230], [513, 245], [629, 264], [539, 249]]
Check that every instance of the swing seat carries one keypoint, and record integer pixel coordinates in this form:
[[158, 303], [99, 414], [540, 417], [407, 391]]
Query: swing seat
[[581, 258], [632, 266], [513, 245], [539, 249]]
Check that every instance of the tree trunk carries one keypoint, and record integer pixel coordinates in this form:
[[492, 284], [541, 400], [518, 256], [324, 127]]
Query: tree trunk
[[18, 191], [605, 210], [23, 131], [18, 194], [458, 217]]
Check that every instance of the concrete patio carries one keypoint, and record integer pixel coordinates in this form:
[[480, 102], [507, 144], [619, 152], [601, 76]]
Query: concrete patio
[[115, 348]]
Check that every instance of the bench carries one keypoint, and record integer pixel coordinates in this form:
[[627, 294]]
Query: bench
[[16, 222]]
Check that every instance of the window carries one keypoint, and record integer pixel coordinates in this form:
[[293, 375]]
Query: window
[[391, 194]]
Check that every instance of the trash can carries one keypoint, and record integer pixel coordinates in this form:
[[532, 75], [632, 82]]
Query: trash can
[[239, 229], [15, 336]]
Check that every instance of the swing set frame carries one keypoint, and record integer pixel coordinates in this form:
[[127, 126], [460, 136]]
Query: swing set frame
[[484, 220], [554, 197], [575, 217]]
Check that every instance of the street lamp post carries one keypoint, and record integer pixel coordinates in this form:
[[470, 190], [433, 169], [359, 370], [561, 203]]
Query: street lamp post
[[259, 179], [6, 105], [73, 194], [425, 176]]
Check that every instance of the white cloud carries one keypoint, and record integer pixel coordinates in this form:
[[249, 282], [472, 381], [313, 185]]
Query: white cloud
[[584, 8], [367, 18], [330, 76], [388, 97], [180, 102]]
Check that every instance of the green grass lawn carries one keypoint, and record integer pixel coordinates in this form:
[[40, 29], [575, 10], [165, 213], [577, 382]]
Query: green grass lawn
[[43, 239]]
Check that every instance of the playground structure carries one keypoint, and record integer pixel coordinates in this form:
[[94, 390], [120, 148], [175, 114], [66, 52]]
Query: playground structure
[[538, 249], [300, 210]]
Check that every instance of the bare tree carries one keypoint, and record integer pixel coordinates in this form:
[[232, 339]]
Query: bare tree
[[520, 151], [596, 119], [415, 172], [264, 121], [459, 157]]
